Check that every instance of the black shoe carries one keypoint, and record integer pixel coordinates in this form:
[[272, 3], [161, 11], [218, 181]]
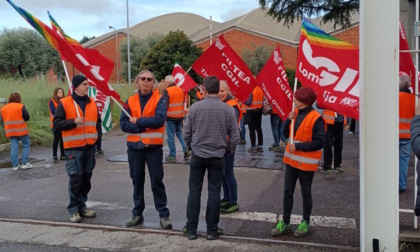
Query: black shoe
[[56, 161], [99, 152], [63, 158], [242, 142], [190, 236], [401, 191], [215, 236]]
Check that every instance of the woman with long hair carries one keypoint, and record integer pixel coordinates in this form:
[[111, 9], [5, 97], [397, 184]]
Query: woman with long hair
[[52, 105]]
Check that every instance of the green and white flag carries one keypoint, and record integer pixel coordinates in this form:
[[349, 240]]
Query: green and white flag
[[104, 107]]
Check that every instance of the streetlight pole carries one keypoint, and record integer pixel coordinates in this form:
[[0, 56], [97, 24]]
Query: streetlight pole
[[116, 50], [128, 48]]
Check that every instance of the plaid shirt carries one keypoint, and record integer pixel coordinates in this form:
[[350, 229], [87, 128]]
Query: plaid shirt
[[207, 126]]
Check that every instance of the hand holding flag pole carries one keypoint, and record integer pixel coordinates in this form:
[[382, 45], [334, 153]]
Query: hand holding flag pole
[[293, 108]]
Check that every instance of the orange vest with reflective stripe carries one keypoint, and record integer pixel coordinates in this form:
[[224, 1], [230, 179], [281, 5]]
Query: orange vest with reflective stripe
[[176, 102], [51, 115], [150, 136], [257, 98], [304, 160], [14, 125], [199, 96], [85, 133], [234, 104], [329, 116], [407, 106]]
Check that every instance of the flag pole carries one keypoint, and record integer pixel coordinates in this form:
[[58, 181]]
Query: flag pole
[[71, 90], [293, 108], [121, 107]]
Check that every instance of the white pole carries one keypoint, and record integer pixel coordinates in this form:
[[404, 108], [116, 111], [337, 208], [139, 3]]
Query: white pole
[[121, 107], [292, 126], [70, 87], [128, 48], [378, 58], [211, 32], [116, 53]]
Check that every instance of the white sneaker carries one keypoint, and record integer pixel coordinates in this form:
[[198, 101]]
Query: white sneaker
[[26, 166], [16, 168]]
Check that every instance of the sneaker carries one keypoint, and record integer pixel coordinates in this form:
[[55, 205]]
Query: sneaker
[[56, 161], [75, 218], [401, 191], [339, 169], [26, 166], [329, 171], [187, 154], [252, 150], [16, 168], [282, 144], [277, 149], [215, 236], [166, 223], [242, 142], [99, 152], [351, 133], [230, 209], [63, 158], [170, 159], [271, 148], [88, 213], [135, 220], [303, 230], [260, 149], [190, 236], [224, 203], [281, 229]]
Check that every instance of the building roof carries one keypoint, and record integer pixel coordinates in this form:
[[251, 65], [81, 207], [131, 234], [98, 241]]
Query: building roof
[[197, 28]]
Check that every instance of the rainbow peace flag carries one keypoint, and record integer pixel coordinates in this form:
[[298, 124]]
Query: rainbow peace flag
[[316, 36], [55, 25]]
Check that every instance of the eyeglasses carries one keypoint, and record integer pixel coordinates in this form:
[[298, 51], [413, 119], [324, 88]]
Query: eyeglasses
[[149, 79]]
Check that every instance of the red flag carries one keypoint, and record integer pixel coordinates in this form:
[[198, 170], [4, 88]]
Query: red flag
[[273, 81], [406, 62], [331, 67], [183, 80], [220, 60]]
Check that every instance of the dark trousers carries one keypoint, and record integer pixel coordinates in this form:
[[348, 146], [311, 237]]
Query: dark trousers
[[352, 125], [198, 167], [305, 179], [99, 140], [255, 126], [333, 138], [79, 167], [137, 159], [58, 138]]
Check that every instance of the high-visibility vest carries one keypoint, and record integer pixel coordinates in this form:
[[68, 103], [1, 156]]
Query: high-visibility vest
[[199, 96], [14, 125], [85, 133], [233, 103], [304, 160], [150, 136], [176, 102], [257, 98], [328, 116], [51, 115], [407, 107]]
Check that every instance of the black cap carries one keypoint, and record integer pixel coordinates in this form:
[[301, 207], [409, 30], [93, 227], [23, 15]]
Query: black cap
[[77, 80]]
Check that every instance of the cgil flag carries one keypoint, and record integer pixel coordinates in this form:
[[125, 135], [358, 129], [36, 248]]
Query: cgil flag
[[182, 79], [273, 81], [103, 103], [78, 59], [221, 61], [331, 67]]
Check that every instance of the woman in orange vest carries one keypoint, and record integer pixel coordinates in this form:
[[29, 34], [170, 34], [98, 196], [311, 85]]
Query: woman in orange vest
[[145, 130], [52, 105], [301, 158], [253, 118], [229, 202], [14, 116]]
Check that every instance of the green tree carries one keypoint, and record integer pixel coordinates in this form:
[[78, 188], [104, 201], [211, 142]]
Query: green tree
[[337, 11], [86, 39], [25, 51], [139, 47], [255, 59], [175, 47]]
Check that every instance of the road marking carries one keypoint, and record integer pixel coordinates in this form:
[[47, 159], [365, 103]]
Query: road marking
[[105, 205]]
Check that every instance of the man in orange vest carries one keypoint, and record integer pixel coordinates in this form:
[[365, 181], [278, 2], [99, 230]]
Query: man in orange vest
[[78, 120], [174, 96], [407, 105], [145, 130], [14, 116]]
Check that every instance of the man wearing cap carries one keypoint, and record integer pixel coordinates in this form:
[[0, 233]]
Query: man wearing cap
[[78, 119]]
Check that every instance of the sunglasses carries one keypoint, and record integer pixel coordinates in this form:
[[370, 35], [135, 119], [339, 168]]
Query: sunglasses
[[149, 79]]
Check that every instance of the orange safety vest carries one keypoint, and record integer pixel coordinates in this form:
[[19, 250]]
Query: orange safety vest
[[14, 125], [199, 96], [150, 136], [51, 115], [304, 160], [85, 133], [176, 102], [407, 111], [329, 116], [257, 98], [233, 103]]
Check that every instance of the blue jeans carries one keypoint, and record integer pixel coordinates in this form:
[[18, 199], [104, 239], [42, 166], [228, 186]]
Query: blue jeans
[[14, 145], [172, 128], [230, 187], [242, 128], [405, 149], [198, 167], [277, 129], [137, 159]]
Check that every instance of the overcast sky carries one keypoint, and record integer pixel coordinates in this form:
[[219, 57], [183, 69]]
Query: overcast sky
[[92, 17]]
